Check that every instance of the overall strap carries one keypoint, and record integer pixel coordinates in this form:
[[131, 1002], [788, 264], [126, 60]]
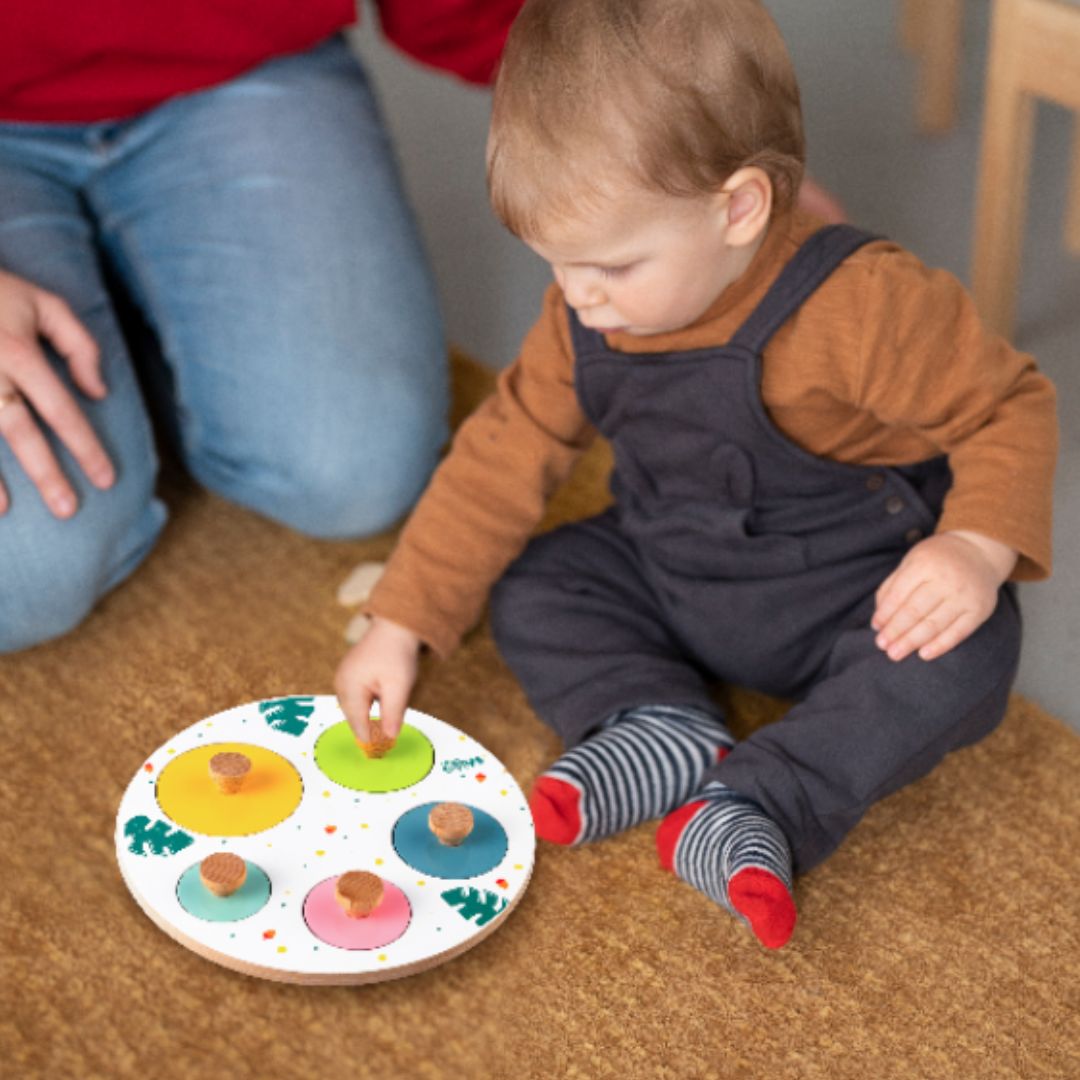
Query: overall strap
[[584, 340], [819, 256]]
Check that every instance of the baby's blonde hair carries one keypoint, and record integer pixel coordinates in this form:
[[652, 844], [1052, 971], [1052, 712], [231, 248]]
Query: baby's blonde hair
[[671, 95]]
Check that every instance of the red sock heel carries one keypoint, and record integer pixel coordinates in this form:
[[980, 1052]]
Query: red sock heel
[[671, 828]]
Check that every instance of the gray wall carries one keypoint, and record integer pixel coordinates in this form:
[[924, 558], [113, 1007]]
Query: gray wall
[[490, 283]]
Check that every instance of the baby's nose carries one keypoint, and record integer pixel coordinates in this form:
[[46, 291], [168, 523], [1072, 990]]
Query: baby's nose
[[581, 291]]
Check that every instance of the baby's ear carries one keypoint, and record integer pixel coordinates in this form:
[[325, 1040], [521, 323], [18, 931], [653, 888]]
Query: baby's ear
[[749, 205]]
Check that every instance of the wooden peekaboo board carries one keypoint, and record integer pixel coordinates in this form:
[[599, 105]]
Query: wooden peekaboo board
[[312, 808]]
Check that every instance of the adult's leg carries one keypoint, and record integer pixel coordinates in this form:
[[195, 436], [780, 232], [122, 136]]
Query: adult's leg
[[53, 571], [262, 229]]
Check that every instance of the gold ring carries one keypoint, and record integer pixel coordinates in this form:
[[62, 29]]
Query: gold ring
[[9, 397]]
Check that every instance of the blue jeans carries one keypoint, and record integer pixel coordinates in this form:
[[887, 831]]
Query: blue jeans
[[261, 231]]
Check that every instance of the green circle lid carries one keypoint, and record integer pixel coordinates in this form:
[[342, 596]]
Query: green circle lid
[[339, 756]]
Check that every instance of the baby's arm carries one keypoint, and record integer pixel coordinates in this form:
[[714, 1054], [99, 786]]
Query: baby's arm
[[476, 515], [930, 368], [944, 589]]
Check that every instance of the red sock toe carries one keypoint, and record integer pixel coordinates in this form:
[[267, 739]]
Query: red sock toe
[[766, 903], [555, 810], [671, 828]]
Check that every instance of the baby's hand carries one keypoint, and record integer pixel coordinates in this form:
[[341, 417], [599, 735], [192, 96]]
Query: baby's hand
[[944, 589], [382, 665]]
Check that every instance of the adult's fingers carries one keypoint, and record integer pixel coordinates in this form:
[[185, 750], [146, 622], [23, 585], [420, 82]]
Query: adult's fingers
[[35, 456], [39, 384], [58, 323]]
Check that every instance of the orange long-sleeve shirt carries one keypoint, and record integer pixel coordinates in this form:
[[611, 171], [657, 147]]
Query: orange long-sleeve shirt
[[887, 363]]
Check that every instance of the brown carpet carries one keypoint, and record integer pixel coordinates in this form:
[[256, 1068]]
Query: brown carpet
[[941, 941]]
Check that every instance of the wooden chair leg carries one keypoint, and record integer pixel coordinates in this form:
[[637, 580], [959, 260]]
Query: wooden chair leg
[[939, 42], [1072, 212], [910, 24], [1008, 123]]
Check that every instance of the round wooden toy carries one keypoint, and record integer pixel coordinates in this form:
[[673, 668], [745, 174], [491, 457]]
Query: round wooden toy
[[266, 839], [229, 771], [451, 823], [223, 873], [379, 746], [359, 893]]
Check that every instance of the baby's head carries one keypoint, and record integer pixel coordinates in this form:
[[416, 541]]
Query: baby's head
[[672, 96], [612, 113]]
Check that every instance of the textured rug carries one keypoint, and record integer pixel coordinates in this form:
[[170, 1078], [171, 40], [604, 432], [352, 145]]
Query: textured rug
[[940, 941]]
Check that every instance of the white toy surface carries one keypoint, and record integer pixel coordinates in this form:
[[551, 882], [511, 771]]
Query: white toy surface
[[309, 807]]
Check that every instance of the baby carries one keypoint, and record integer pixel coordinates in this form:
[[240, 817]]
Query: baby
[[826, 470]]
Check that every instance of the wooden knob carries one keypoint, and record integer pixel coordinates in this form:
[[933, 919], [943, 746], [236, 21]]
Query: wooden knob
[[223, 873], [380, 745], [451, 823], [359, 893], [229, 770]]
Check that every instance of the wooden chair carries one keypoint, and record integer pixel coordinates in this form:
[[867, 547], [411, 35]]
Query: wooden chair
[[932, 29], [1034, 53]]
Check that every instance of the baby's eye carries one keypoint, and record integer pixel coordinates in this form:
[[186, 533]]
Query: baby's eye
[[615, 271]]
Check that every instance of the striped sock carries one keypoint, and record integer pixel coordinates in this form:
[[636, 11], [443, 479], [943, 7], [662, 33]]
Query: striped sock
[[727, 847], [641, 764]]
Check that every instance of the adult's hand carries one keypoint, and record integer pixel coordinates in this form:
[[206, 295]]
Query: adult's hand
[[32, 394]]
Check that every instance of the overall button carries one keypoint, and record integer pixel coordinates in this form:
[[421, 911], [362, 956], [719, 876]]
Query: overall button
[[875, 482], [912, 535], [894, 504]]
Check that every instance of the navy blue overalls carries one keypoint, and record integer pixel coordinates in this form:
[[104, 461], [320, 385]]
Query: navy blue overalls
[[732, 554]]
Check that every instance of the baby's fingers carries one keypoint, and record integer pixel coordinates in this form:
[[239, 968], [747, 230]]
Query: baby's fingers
[[356, 699], [890, 595], [921, 632], [915, 621], [950, 636], [392, 704], [898, 605]]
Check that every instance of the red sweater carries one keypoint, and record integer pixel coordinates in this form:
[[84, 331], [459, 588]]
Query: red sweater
[[75, 61]]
